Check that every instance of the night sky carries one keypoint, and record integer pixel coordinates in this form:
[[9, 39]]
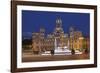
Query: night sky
[[33, 20]]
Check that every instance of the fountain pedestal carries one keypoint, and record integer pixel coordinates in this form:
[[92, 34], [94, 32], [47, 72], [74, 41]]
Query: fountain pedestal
[[60, 51]]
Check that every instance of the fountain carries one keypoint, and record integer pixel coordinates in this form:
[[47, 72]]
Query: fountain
[[60, 51]]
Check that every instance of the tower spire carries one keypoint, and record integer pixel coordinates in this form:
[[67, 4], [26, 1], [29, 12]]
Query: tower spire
[[58, 22], [58, 30]]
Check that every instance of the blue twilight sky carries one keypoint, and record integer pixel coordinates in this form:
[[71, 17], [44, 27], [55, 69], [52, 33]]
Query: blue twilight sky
[[33, 20]]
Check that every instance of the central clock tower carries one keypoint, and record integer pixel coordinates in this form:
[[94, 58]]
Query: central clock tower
[[58, 29], [58, 32]]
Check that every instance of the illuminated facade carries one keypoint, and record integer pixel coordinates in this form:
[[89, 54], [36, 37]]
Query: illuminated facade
[[42, 42], [76, 39]]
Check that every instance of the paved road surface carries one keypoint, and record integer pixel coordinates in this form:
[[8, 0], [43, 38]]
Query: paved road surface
[[29, 57]]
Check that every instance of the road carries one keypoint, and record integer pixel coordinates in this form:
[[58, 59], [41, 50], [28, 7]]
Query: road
[[29, 57]]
